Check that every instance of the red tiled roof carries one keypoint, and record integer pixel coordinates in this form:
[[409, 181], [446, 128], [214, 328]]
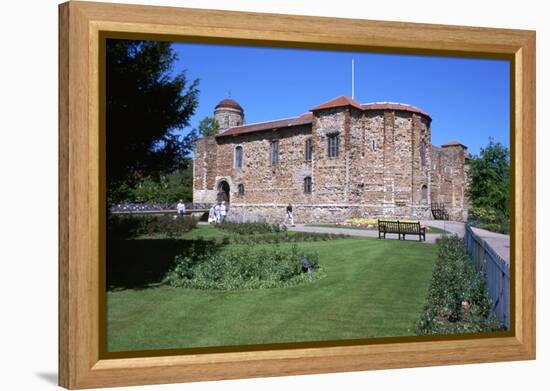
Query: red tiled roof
[[454, 143], [304, 119], [229, 103], [394, 106], [338, 102], [307, 118]]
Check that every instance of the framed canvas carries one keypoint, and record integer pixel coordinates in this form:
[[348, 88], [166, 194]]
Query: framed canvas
[[84, 30]]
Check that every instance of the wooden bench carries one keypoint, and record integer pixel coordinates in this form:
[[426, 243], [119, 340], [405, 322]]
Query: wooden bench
[[401, 228]]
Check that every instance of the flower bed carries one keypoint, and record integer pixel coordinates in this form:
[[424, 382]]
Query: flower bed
[[362, 222], [239, 268]]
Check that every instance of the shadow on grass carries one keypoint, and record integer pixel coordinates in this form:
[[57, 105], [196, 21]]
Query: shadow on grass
[[140, 263]]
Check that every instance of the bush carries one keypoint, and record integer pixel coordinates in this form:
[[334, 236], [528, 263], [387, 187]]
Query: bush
[[250, 228], [254, 233], [240, 268], [281, 237], [489, 219], [454, 282], [131, 226]]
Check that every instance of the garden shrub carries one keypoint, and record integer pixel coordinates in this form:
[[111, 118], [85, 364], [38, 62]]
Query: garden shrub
[[131, 226], [253, 233], [281, 237], [454, 280], [489, 219], [239, 268], [250, 228]]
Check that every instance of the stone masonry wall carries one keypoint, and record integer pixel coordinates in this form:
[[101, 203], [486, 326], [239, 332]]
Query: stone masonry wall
[[228, 117], [449, 180], [265, 183], [204, 170], [378, 172]]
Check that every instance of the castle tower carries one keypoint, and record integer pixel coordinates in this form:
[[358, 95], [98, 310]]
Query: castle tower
[[228, 113]]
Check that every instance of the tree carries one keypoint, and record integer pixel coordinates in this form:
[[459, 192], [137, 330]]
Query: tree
[[208, 127], [490, 179], [146, 104], [168, 189]]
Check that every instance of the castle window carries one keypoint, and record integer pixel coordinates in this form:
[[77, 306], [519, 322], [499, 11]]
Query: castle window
[[307, 184], [333, 142], [274, 152], [308, 150], [240, 189], [422, 153], [424, 194], [238, 157]]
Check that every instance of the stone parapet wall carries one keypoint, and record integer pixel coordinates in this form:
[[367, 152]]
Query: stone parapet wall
[[204, 196]]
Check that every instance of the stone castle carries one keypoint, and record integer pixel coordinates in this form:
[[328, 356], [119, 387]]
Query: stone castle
[[339, 160]]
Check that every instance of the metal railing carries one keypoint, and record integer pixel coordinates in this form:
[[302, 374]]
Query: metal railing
[[497, 274], [144, 208]]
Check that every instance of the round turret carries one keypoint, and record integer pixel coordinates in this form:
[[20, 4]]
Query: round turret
[[228, 113]]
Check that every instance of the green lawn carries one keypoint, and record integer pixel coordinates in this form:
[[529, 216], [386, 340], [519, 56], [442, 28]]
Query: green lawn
[[430, 230], [373, 288]]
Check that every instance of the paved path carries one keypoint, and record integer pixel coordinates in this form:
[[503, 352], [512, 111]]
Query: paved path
[[430, 238], [499, 242]]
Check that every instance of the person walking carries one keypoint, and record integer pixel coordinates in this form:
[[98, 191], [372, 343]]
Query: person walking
[[217, 212], [289, 217], [180, 208], [223, 211], [212, 215]]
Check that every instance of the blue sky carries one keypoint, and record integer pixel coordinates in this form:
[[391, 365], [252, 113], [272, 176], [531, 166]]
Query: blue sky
[[468, 99]]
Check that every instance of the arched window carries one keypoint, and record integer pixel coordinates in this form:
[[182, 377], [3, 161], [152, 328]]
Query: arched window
[[422, 153], [239, 157], [307, 184], [424, 193], [274, 152], [307, 150], [333, 144], [240, 189]]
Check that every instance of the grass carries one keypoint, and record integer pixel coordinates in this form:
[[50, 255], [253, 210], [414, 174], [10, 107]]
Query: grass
[[431, 230], [373, 288]]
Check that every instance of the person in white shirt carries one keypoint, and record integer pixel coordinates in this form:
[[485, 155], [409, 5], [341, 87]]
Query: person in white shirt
[[223, 211], [217, 212], [181, 208], [212, 215], [289, 216]]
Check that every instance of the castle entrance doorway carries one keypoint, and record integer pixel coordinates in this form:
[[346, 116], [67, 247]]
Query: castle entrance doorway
[[223, 192]]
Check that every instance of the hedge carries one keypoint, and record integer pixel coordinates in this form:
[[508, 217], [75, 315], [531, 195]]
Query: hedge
[[457, 299]]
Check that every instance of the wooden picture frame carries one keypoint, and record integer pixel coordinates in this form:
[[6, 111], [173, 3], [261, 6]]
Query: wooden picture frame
[[81, 281]]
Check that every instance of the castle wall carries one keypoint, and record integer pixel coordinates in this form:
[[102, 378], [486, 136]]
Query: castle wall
[[449, 180], [228, 117], [379, 170], [204, 170], [329, 174], [265, 183]]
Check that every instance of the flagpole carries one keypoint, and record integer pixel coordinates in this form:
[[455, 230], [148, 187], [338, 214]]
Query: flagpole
[[352, 79]]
